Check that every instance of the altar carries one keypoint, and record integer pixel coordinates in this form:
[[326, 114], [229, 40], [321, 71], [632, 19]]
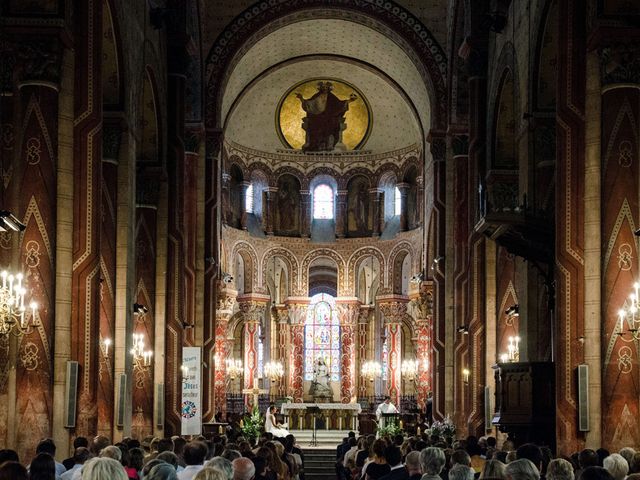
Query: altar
[[334, 416]]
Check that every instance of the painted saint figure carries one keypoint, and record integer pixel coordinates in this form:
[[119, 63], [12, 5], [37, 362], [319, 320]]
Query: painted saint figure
[[324, 122], [320, 383]]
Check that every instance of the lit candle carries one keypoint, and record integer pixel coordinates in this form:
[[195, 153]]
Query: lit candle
[[621, 315], [107, 343], [503, 358], [34, 307], [10, 278], [4, 278]]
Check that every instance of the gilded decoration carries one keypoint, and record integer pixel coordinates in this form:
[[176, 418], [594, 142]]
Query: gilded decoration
[[323, 115]]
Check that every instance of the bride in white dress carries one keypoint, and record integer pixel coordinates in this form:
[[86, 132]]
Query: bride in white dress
[[270, 424]]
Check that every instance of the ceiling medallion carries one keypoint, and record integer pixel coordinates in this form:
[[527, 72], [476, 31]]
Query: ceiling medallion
[[323, 115]]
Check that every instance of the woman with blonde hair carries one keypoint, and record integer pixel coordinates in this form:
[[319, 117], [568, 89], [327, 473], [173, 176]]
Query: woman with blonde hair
[[103, 468]]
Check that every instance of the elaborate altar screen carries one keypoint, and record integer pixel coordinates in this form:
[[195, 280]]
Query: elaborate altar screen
[[322, 337]]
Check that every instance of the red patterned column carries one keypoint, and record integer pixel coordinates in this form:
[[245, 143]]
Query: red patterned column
[[620, 153], [569, 244], [252, 306], [282, 316], [394, 309], [297, 317], [362, 354], [35, 177], [85, 313], [348, 312], [423, 308], [224, 309], [111, 137]]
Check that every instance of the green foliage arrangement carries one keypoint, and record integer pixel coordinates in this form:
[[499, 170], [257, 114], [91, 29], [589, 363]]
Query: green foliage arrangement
[[391, 429], [252, 425]]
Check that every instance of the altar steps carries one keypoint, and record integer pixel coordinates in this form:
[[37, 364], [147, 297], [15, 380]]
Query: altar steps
[[326, 439], [319, 463]]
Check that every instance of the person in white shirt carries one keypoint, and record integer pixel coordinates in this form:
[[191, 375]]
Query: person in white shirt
[[194, 454], [385, 407], [80, 456]]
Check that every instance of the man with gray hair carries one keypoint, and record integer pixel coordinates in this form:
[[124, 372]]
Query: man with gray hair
[[522, 469], [412, 463], [461, 472], [627, 453], [560, 469], [432, 460], [243, 469], [616, 465], [221, 464]]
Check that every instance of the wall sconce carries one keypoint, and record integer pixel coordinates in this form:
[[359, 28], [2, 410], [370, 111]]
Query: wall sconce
[[371, 370], [140, 355], [463, 329], [436, 261], [513, 310], [8, 221], [465, 375], [227, 278], [139, 309], [274, 370], [106, 343], [409, 369]]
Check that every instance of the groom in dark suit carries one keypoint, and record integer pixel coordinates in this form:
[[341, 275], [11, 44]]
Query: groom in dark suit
[[394, 459]]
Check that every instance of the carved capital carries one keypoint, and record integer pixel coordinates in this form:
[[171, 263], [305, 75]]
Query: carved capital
[[31, 59], [348, 313], [422, 304], [252, 308], [297, 313], [192, 139], [393, 309], [225, 299], [620, 63]]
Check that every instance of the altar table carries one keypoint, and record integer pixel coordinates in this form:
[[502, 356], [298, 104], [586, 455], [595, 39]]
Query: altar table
[[343, 416]]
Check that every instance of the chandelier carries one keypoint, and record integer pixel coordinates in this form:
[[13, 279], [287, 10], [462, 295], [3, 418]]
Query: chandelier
[[234, 368], [371, 369], [630, 312], [274, 370], [141, 356], [13, 318], [513, 351], [409, 369]]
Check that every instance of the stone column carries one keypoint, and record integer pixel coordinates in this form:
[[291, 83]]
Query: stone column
[[243, 207], [362, 354], [341, 213], [270, 210], [253, 307], [282, 316], [394, 309], [215, 371], [297, 315], [111, 138], [422, 304], [569, 207], [348, 310], [225, 195], [404, 218], [375, 197], [34, 184], [305, 213], [420, 201]]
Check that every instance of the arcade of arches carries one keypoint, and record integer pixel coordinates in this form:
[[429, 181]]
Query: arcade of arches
[[322, 184]]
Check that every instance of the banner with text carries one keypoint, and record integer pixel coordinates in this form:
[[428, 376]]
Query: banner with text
[[191, 407]]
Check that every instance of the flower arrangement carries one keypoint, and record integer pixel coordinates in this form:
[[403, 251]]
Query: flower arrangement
[[444, 429], [391, 429], [252, 425]]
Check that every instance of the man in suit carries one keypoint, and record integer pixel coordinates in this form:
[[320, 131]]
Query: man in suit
[[412, 463], [394, 459]]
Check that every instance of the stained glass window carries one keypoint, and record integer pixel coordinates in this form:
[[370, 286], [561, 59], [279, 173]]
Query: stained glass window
[[398, 202], [248, 199], [323, 201], [322, 337]]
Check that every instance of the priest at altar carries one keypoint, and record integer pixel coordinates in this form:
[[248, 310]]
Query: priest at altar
[[385, 407]]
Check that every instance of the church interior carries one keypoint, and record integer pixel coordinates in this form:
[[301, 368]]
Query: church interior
[[211, 206]]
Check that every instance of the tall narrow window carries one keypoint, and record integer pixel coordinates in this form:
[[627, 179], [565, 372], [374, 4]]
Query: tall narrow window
[[398, 202], [323, 202], [322, 338], [248, 199]]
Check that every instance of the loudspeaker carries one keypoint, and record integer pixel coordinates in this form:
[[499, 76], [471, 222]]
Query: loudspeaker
[[71, 395], [583, 398], [159, 405], [488, 416], [122, 399]]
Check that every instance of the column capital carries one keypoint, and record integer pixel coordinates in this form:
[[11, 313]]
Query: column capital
[[253, 306], [297, 308], [422, 301], [348, 310], [225, 298], [33, 60], [393, 307]]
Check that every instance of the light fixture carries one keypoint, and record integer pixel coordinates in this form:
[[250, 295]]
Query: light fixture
[[465, 375], [106, 343], [513, 351], [140, 355], [513, 310], [233, 368], [630, 312], [274, 370], [417, 278], [371, 369], [8, 221], [409, 369], [436, 261], [139, 309], [13, 317], [463, 329]]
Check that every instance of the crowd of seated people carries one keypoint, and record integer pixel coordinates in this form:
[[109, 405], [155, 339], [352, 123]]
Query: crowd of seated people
[[161, 459], [432, 458]]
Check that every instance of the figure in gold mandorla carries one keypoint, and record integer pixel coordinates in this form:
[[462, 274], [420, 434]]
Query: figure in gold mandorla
[[324, 122]]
